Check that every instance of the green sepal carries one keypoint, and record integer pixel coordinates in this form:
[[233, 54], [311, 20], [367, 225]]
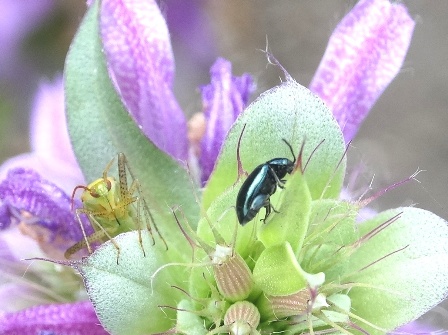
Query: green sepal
[[343, 302], [100, 127], [277, 271], [291, 112], [291, 222], [332, 229], [201, 277], [401, 272], [189, 323], [127, 295]]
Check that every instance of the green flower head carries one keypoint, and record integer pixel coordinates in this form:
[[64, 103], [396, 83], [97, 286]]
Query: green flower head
[[308, 267], [267, 245]]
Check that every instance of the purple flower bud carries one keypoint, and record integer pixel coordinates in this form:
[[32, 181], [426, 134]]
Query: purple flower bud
[[223, 100]]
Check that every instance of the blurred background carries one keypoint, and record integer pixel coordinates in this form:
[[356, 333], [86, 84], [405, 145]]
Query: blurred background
[[406, 130]]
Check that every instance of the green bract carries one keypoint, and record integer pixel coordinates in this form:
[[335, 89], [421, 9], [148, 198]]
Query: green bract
[[130, 287], [311, 265]]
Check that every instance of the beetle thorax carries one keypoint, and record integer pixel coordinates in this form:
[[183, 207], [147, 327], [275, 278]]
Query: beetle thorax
[[281, 166]]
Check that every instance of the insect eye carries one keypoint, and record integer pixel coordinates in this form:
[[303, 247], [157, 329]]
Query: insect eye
[[94, 194], [108, 184]]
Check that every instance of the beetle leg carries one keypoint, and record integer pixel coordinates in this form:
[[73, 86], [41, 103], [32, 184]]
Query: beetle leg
[[280, 183], [268, 211], [269, 208]]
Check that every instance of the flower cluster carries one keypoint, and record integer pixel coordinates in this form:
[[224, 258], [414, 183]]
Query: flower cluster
[[310, 267]]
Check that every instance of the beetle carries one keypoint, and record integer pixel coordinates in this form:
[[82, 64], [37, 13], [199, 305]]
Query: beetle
[[257, 189]]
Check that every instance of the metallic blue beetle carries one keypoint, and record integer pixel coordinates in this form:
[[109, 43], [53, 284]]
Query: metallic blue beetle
[[260, 185]]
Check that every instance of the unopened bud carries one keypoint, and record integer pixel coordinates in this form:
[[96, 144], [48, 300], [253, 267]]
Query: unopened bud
[[233, 276], [242, 317], [279, 307]]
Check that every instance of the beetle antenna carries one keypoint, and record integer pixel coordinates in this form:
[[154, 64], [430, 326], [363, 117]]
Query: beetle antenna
[[290, 148]]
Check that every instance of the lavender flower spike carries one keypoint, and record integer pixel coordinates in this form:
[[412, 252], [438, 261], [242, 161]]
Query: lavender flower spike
[[364, 54], [223, 100], [140, 61], [75, 319]]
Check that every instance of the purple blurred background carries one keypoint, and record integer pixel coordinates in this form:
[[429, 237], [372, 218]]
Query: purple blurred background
[[406, 130]]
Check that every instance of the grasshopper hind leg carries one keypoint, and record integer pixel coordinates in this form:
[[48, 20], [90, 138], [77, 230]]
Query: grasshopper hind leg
[[142, 206], [88, 240]]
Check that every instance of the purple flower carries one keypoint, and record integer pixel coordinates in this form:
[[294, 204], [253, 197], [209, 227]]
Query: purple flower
[[417, 329], [25, 190], [137, 47], [223, 100], [27, 283], [26, 193], [78, 318], [43, 208], [363, 56], [42, 211], [139, 56]]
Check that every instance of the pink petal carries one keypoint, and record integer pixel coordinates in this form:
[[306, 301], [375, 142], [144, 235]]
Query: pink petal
[[63, 319], [416, 328], [14, 247], [364, 54], [64, 174], [138, 51], [14, 296], [49, 138], [49, 134]]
